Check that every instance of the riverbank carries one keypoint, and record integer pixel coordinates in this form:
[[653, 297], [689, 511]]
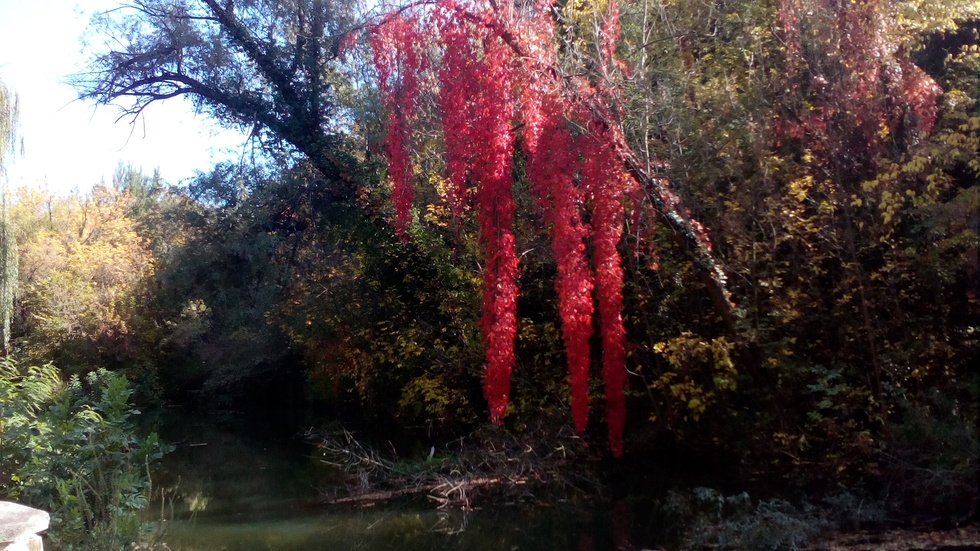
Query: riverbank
[[965, 538], [243, 483]]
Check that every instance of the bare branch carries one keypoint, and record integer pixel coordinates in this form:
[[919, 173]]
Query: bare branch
[[241, 36]]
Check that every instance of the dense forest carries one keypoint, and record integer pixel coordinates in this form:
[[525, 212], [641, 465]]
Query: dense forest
[[739, 236]]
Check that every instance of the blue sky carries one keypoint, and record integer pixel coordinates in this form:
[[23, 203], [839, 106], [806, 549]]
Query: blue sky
[[71, 145]]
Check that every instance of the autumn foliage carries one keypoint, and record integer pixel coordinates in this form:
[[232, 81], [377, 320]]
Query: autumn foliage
[[863, 89], [553, 170], [397, 73], [494, 71]]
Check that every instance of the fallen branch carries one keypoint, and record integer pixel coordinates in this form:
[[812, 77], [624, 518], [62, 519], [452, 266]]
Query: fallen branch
[[475, 465], [440, 492]]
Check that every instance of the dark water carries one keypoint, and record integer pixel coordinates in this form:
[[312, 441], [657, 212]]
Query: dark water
[[234, 484]]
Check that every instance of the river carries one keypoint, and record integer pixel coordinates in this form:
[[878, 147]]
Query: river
[[238, 484]]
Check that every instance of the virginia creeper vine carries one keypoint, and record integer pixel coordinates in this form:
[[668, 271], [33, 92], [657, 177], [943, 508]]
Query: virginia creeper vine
[[496, 71]]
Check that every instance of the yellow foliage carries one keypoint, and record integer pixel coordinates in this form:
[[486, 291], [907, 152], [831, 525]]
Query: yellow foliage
[[701, 370], [83, 264], [918, 17], [582, 13]]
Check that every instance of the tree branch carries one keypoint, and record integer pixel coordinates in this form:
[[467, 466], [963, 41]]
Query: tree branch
[[266, 64], [690, 235]]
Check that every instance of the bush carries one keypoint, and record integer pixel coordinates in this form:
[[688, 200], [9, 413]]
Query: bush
[[930, 456], [68, 447], [717, 521]]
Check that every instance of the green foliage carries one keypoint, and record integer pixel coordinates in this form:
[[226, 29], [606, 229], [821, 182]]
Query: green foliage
[[428, 397], [383, 322], [68, 447], [931, 453], [736, 522], [223, 261], [9, 126], [717, 521], [9, 276]]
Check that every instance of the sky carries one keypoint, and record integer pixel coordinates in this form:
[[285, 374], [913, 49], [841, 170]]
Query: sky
[[70, 145]]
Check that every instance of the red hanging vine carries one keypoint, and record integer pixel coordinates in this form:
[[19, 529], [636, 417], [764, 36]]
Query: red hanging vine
[[603, 178], [851, 72], [495, 70], [487, 59], [478, 107], [399, 63], [552, 163]]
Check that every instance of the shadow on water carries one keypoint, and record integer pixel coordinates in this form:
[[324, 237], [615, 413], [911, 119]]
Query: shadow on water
[[398, 528], [235, 483], [227, 465]]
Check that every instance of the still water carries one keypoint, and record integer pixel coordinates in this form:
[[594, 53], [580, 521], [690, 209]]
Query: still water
[[233, 484]]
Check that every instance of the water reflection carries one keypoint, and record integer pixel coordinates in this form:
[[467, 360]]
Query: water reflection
[[377, 530], [236, 486]]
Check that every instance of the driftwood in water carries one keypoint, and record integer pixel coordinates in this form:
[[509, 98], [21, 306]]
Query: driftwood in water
[[451, 492], [500, 462]]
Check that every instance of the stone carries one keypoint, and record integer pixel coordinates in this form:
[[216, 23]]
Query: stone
[[18, 524], [30, 542]]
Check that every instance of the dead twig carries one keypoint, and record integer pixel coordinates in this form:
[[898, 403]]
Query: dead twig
[[501, 463]]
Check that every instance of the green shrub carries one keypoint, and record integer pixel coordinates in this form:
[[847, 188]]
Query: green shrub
[[716, 521], [68, 447], [930, 454]]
